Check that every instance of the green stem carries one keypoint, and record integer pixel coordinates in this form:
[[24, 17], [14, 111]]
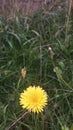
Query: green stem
[[42, 115], [68, 17]]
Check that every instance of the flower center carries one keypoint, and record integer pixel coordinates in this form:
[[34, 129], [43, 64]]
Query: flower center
[[34, 100]]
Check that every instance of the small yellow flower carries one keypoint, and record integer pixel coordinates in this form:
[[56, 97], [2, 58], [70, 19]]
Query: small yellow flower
[[34, 99]]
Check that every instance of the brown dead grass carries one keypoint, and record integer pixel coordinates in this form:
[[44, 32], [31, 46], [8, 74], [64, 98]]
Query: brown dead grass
[[25, 7], [16, 7]]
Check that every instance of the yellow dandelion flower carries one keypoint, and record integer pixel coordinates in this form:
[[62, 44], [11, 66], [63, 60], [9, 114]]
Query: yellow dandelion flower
[[34, 99]]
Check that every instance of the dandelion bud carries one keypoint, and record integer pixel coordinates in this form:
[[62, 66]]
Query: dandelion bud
[[23, 72], [49, 48]]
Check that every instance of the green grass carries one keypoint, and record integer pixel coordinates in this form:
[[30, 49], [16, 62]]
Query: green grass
[[25, 42]]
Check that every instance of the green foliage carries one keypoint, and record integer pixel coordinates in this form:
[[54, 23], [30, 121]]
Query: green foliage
[[25, 42]]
